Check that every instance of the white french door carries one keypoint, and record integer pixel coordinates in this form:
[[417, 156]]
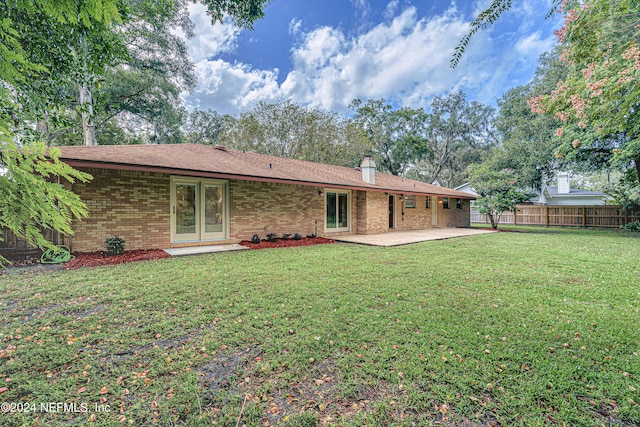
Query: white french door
[[199, 210]]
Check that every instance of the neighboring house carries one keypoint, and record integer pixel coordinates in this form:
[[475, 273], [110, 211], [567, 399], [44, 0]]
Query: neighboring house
[[160, 196], [560, 195], [564, 195]]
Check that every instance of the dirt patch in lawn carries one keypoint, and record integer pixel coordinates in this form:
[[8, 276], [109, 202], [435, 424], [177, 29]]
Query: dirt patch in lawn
[[220, 371], [96, 259], [287, 243]]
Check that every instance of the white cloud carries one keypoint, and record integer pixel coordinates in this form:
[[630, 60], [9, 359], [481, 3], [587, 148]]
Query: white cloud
[[295, 26], [210, 40], [232, 88], [405, 60], [391, 9], [533, 45]]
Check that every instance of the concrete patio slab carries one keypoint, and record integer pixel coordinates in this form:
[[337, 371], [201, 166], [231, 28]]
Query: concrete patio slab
[[196, 250], [397, 238]]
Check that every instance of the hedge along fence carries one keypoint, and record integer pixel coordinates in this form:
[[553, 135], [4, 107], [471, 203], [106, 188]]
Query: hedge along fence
[[568, 216]]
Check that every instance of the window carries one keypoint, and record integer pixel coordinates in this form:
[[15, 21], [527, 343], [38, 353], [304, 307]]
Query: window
[[459, 204], [445, 203], [338, 210], [410, 201], [427, 202]]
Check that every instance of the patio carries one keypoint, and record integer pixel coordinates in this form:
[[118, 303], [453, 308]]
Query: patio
[[397, 238]]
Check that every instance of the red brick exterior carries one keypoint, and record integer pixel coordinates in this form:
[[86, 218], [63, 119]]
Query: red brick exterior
[[136, 207]]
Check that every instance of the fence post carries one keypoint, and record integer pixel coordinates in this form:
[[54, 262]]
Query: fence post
[[626, 217], [515, 214], [584, 217], [546, 215]]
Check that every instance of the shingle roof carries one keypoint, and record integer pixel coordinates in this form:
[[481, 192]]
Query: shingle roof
[[553, 192], [220, 162]]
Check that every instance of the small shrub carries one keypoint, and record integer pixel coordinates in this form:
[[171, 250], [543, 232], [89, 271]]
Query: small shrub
[[286, 236], [632, 226], [271, 237], [255, 239], [311, 236], [114, 245], [297, 237]]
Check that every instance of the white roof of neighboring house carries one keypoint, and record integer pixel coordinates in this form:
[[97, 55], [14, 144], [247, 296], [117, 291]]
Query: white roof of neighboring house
[[550, 196]]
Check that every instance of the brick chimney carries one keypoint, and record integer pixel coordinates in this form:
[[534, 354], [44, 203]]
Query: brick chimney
[[368, 167], [563, 183]]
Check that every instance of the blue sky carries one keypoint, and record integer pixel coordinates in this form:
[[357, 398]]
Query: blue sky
[[326, 53]]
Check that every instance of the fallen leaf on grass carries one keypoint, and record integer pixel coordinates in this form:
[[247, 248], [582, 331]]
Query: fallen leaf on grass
[[81, 390]]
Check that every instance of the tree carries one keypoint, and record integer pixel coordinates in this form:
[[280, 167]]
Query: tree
[[457, 133], [31, 199], [205, 127], [598, 102], [526, 139], [397, 137], [132, 68], [37, 65], [499, 191], [289, 130]]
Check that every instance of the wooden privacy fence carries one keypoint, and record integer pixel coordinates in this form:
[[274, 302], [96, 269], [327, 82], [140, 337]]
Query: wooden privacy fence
[[13, 247], [568, 216]]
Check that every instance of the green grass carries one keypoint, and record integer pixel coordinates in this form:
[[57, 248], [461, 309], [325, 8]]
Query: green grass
[[515, 329]]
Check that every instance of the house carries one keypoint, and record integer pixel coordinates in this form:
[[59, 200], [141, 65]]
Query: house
[[564, 195], [559, 195], [161, 196]]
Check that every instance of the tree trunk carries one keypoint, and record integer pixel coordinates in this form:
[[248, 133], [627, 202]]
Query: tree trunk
[[86, 104], [494, 224], [42, 127], [86, 100], [637, 163]]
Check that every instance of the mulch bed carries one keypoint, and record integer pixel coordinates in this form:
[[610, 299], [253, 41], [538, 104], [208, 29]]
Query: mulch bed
[[287, 243], [96, 259]]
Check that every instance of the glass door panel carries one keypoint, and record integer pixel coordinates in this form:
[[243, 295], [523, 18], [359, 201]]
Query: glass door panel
[[337, 211], [331, 210], [186, 214], [213, 210], [343, 208]]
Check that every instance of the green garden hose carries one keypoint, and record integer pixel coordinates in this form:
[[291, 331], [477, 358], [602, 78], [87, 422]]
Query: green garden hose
[[56, 256]]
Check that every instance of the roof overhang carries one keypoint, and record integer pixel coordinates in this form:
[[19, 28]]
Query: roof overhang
[[219, 175]]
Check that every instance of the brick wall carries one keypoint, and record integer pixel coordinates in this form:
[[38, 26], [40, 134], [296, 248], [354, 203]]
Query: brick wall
[[136, 207], [132, 205], [262, 207], [453, 217], [377, 213], [416, 218]]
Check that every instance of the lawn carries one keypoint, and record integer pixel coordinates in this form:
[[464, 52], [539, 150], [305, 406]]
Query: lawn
[[504, 329]]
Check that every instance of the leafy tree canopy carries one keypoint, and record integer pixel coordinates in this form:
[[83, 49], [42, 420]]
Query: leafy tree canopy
[[290, 130], [499, 191], [598, 102]]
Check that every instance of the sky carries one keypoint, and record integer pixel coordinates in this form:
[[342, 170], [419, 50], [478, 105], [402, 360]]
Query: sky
[[326, 53]]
